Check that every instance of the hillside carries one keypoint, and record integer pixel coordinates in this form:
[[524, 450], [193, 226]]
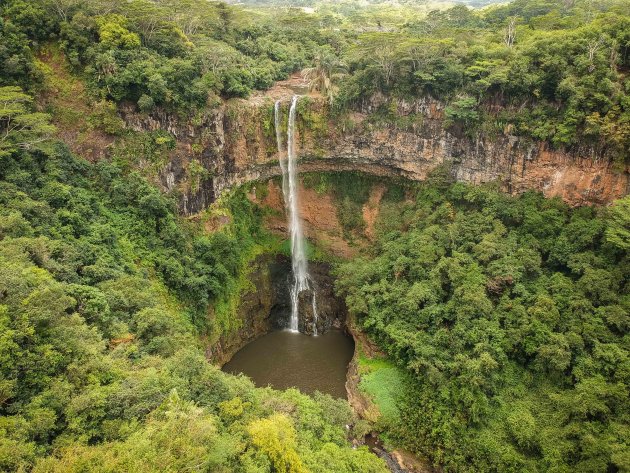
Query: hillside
[[451, 182]]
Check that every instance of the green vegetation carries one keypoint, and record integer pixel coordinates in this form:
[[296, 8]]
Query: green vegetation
[[178, 54], [505, 320], [381, 381], [550, 70], [23, 129], [104, 296], [511, 316], [252, 430]]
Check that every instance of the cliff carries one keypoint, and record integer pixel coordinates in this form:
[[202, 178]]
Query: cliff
[[235, 144], [268, 306]]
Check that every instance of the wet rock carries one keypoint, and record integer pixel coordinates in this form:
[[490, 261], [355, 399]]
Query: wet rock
[[268, 306], [280, 313], [236, 148], [260, 310]]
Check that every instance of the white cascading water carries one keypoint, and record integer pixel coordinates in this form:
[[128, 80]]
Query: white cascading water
[[283, 165], [290, 191]]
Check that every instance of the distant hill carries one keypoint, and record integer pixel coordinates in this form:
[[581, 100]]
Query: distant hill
[[315, 3]]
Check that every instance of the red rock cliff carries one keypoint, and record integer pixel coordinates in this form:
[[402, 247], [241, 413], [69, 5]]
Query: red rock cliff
[[236, 144]]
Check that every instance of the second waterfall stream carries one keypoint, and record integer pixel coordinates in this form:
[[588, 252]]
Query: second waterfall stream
[[301, 281]]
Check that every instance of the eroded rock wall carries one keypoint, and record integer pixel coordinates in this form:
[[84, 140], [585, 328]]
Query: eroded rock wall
[[256, 312], [266, 305], [236, 144], [318, 212]]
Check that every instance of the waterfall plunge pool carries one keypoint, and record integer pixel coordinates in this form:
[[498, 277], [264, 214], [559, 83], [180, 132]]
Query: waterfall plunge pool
[[286, 359]]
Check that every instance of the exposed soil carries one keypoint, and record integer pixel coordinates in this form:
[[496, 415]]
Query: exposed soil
[[318, 213], [281, 90], [371, 210]]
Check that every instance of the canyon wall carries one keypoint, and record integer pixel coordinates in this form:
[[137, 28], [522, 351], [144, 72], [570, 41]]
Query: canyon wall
[[257, 309], [267, 306], [235, 144]]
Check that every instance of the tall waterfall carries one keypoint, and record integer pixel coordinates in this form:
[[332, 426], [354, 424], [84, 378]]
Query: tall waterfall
[[299, 266], [283, 164]]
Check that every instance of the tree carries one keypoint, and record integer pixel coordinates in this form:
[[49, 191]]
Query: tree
[[618, 231], [321, 76], [114, 34], [19, 127], [64, 7], [378, 50], [275, 436], [510, 32], [463, 110]]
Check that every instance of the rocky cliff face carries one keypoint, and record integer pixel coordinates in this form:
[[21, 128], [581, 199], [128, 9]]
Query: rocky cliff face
[[235, 144], [268, 306], [318, 212], [257, 310], [331, 310]]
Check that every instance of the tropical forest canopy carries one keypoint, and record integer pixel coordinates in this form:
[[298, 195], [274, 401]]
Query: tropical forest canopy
[[507, 317], [550, 70], [510, 318]]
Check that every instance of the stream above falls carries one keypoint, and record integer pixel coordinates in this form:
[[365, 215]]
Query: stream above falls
[[284, 359]]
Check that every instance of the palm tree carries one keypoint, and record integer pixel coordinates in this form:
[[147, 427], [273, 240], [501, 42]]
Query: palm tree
[[322, 75]]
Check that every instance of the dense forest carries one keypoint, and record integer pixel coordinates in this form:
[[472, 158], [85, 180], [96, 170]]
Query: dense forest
[[511, 317], [548, 70], [506, 318]]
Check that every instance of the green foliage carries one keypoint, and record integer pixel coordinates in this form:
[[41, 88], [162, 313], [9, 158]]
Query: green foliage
[[104, 117], [197, 174], [558, 77], [351, 191], [170, 54], [17, 66], [618, 231], [507, 319], [326, 71], [463, 111], [104, 293], [381, 381], [113, 33], [551, 71], [506, 313], [276, 438], [19, 127], [312, 119]]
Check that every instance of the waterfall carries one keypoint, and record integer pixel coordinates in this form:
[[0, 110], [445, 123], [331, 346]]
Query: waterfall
[[299, 266], [298, 256], [283, 164]]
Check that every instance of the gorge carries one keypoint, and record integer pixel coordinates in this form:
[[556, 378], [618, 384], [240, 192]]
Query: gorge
[[387, 151], [313, 236], [293, 360]]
